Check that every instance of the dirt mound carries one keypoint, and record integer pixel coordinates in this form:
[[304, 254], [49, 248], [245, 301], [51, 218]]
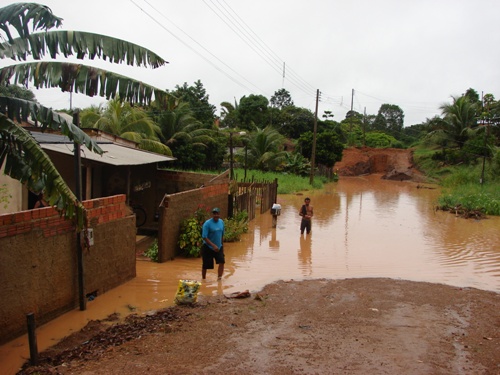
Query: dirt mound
[[393, 163]]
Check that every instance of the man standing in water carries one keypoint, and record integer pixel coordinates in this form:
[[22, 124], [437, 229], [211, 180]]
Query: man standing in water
[[213, 235], [306, 211]]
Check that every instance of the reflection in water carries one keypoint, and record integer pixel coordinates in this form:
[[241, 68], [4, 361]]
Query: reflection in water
[[362, 227], [305, 254]]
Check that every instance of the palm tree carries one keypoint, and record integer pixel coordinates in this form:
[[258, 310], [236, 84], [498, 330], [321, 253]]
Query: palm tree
[[264, 150], [23, 158], [178, 124], [132, 123], [460, 117]]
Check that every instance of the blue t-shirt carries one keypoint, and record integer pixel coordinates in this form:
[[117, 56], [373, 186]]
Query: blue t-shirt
[[214, 231]]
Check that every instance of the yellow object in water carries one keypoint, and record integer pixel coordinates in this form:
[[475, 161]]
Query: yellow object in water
[[187, 292]]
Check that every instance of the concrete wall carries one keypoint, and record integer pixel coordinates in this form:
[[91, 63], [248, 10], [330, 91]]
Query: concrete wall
[[175, 208], [38, 264]]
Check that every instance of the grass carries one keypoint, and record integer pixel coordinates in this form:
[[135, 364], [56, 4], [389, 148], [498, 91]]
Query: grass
[[461, 183], [287, 183]]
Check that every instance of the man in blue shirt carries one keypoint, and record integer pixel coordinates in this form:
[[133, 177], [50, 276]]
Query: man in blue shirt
[[213, 235]]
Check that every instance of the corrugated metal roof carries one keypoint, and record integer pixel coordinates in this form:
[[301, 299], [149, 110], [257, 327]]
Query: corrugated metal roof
[[114, 154]]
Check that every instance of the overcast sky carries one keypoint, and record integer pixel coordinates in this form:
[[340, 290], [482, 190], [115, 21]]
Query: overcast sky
[[414, 54]]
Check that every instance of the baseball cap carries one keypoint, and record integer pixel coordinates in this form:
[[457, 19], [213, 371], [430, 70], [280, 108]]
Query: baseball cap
[[216, 209]]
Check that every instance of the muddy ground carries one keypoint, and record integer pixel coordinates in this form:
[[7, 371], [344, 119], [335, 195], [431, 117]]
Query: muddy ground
[[353, 326]]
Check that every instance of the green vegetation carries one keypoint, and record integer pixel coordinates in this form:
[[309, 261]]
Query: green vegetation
[[462, 188], [4, 195], [152, 252], [287, 183], [472, 199], [190, 239], [235, 227]]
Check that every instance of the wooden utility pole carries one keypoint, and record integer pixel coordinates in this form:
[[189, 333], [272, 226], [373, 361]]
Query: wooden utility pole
[[313, 154], [364, 128], [350, 142], [78, 193]]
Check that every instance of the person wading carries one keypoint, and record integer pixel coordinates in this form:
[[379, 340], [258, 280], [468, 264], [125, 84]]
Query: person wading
[[213, 236], [306, 211]]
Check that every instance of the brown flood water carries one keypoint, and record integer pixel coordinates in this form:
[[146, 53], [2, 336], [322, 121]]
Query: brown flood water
[[362, 227]]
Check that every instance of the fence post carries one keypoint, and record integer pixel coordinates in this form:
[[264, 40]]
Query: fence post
[[230, 206], [32, 339]]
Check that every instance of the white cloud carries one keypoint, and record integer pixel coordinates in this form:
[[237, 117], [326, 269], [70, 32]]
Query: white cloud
[[414, 54]]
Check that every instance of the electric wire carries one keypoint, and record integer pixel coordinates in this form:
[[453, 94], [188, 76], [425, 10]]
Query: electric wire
[[191, 48]]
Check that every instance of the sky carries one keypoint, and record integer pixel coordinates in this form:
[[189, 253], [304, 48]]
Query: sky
[[364, 53]]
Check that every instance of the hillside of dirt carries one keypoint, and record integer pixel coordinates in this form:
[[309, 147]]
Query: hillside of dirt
[[392, 163]]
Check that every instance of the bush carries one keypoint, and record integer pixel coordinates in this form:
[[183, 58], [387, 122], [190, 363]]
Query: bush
[[235, 227], [152, 252], [190, 239]]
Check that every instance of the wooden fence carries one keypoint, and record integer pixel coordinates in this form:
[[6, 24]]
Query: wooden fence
[[248, 195]]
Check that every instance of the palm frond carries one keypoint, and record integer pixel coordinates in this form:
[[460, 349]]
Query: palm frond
[[81, 78], [22, 110], [26, 162], [19, 15], [155, 146], [82, 45]]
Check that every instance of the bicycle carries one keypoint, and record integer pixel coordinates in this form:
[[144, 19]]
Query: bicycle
[[140, 214]]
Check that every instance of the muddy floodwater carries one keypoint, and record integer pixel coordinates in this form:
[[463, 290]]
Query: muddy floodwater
[[362, 227]]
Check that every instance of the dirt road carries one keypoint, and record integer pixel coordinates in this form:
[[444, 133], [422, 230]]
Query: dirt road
[[354, 326]]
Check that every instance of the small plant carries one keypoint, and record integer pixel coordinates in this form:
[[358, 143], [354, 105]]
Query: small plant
[[152, 252], [4, 195], [190, 239], [235, 227]]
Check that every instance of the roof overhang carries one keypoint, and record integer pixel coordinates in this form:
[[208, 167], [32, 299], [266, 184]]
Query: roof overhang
[[113, 154]]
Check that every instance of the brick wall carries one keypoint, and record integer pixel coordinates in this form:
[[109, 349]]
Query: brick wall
[[38, 265], [177, 207]]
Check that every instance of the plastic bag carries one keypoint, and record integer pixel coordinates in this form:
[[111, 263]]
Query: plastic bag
[[187, 292]]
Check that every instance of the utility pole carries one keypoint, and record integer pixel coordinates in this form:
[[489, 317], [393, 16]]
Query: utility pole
[[78, 193], [283, 84], [364, 128], [350, 142], [313, 154]]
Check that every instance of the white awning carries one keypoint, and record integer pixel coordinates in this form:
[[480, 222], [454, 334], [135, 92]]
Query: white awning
[[113, 154]]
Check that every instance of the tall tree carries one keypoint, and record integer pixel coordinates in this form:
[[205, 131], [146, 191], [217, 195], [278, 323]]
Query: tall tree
[[132, 123], [293, 121], [390, 119], [264, 150], [281, 99], [328, 147], [19, 152], [459, 117], [16, 91], [186, 136], [198, 100], [230, 115], [253, 112]]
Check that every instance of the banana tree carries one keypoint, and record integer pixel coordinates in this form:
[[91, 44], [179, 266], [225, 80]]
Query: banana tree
[[24, 159]]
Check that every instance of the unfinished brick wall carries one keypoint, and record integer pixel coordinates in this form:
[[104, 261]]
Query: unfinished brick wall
[[177, 207], [38, 264]]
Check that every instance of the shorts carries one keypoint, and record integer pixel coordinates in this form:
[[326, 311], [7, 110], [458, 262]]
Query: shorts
[[208, 256], [305, 225]]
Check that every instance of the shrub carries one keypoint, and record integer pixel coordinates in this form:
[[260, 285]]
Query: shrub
[[190, 239], [152, 252], [235, 227]]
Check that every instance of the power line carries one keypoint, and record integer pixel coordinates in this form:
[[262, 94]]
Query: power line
[[191, 48]]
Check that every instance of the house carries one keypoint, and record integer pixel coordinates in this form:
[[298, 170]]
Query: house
[[122, 169]]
